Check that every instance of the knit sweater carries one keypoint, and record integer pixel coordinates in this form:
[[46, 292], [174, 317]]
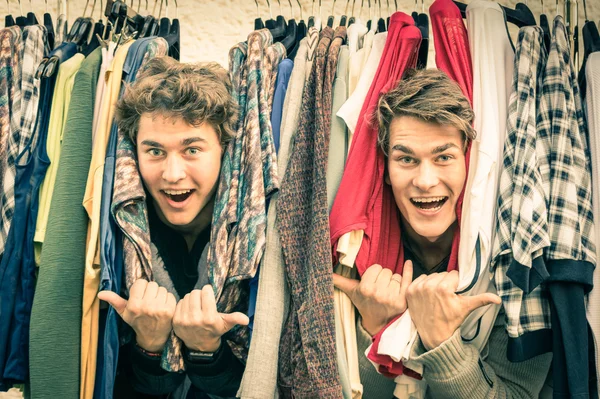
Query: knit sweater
[[456, 369]]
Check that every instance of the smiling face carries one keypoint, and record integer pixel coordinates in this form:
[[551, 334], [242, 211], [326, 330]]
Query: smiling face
[[179, 164], [426, 169]]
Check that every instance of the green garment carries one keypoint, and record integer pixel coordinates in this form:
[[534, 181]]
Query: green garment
[[56, 315]]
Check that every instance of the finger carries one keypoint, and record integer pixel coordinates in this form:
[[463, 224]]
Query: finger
[[346, 285], [451, 281], [151, 290], [171, 300], [477, 301], [195, 302], [114, 300], [383, 279], [370, 275], [232, 319], [184, 304], [137, 289], [209, 304], [407, 275], [395, 281], [161, 296], [434, 279]]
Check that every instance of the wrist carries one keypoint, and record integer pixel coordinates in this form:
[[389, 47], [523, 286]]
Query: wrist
[[151, 346], [208, 346]]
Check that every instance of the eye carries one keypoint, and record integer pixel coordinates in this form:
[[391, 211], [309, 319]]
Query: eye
[[445, 158], [193, 151], [405, 160], [155, 152]]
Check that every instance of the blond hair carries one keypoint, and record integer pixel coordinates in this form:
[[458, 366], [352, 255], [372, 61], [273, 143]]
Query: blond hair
[[195, 93], [429, 95]]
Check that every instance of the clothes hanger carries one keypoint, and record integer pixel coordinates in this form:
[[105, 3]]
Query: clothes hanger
[[591, 44], [352, 19], [31, 18], [302, 28], [389, 15], [98, 30], [545, 25], [521, 16], [381, 26], [49, 26], [289, 41], [331, 18], [276, 27], [8, 19], [174, 37], [165, 22], [369, 22], [258, 22], [311, 19], [21, 20]]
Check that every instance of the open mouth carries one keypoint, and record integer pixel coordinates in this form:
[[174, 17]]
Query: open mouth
[[429, 204], [177, 195]]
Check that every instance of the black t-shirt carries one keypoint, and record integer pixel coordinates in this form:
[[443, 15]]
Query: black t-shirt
[[181, 264]]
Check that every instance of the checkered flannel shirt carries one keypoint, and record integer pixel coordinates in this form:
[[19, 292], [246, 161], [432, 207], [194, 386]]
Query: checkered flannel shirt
[[11, 53], [567, 183], [522, 231]]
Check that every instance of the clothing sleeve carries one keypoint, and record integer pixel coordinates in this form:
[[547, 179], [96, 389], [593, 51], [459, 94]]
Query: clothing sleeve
[[221, 376], [148, 376], [455, 369]]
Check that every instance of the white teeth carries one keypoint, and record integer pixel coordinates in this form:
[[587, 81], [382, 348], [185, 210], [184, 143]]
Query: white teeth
[[431, 199], [176, 192]]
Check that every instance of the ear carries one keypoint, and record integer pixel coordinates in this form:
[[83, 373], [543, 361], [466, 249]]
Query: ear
[[386, 177]]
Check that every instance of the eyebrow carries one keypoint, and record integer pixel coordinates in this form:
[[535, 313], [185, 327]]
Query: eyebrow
[[188, 141], [151, 143], [436, 150]]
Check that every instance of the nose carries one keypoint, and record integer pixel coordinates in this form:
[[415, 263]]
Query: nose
[[427, 177], [174, 169]]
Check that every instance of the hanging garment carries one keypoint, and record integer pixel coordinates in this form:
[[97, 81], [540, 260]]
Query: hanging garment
[[283, 77], [493, 59], [592, 74], [11, 51], [64, 249], [111, 251], [248, 178], [522, 229], [260, 376], [108, 53], [92, 203], [571, 257], [312, 370], [56, 125], [351, 109], [356, 33], [338, 149], [18, 266]]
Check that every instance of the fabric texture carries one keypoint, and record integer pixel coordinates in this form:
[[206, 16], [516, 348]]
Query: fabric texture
[[522, 227], [592, 71], [260, 377], [456, 369], [111, 251], [571, 256], [92, 202], [307, 364], [11, 52], [56, 313], [248, 179], [56, 126]]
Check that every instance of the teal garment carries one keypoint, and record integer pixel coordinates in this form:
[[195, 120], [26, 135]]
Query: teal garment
[[338, 139], [56, 314]]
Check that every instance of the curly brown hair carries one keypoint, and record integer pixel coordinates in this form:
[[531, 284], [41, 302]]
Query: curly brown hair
[[429, 95], [194, 93]]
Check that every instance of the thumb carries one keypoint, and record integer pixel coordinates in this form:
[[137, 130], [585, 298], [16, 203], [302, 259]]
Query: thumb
[[346, 285], [114, 300], [233, 319], [477, 301]]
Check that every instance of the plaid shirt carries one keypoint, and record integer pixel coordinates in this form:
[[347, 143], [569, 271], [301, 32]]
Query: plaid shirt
[[11, 52], [522, 232], [567, 182]]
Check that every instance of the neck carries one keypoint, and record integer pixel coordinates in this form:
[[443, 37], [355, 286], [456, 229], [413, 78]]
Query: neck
[[192, 230], [430, 253]]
